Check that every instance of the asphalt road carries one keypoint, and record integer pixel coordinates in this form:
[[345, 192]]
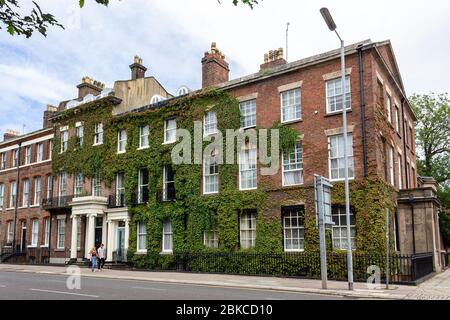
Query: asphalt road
[[31, 286]]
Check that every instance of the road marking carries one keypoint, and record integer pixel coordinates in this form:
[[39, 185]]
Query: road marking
[[2, 286], [147, 288], [272, 299], [69, 293]]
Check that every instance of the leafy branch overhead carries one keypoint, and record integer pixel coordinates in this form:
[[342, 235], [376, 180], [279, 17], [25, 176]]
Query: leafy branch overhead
[[18, 23]]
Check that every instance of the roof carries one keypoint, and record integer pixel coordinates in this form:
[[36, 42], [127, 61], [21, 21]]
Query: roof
[[25, 136]]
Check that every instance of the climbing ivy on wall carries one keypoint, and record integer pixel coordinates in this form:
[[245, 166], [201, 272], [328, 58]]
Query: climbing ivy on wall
[[193, 213]]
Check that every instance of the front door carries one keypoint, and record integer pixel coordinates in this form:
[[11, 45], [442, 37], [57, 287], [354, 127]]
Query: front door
[[98, 231], [120, 244], [23, 242]]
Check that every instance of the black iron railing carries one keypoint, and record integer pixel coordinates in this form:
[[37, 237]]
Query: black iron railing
[[56, 202], [405, 269], [116, 201], [167, 194], [139, 197]]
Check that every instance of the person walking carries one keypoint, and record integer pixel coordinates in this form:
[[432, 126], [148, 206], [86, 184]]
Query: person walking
[[101, 252], [93, 254]]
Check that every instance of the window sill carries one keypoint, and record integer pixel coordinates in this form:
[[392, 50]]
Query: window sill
[[141, 252], [340, 112], [143, 148], [44, 246], [121, 152], [166, 252], [292, 121], [97, 144], [210, 193], [9, 209], [292, 185], [249, 189], [32, 247], [294, 250], [169, 142], [60, 249], [342, 180]]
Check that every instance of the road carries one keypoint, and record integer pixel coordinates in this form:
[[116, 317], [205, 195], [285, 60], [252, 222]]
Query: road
[[31, 286]]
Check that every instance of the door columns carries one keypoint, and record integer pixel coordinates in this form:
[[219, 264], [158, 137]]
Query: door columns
[[73, 242]]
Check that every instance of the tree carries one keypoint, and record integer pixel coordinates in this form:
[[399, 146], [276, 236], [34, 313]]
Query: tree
[[433, 135], [25, 24]]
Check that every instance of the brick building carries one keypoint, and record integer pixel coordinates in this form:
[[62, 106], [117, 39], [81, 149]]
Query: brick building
[[25, 179], [303, 95]]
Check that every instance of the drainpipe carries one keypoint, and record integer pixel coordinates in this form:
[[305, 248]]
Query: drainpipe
[[404, 143], [363, 108], [411, 203], [16, 201]]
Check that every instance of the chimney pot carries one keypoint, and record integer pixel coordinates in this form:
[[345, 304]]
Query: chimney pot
[[137, 68], [215, 69]]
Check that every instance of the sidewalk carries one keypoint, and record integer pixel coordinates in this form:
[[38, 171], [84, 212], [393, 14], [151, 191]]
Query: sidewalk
[[436, 288]]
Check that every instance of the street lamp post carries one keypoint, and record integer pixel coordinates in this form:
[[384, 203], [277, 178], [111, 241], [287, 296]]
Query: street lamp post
[[332, 26]]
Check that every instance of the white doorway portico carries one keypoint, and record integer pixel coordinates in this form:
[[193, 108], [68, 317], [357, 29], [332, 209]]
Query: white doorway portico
[[118, 222]]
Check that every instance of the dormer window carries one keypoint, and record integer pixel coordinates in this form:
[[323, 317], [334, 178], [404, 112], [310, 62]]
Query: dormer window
[[156, 98], [182, 91]]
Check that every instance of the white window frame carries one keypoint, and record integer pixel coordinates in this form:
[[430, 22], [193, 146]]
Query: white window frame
[[64, 140], [62, 186], [247, 229], [246, 166], [78, 185], [49, 186], [210, 162], [296, 106], [26, 193], [37, 190], [335, 97], [144, 137], [96, 186], [120, 186], [289, 229], [40, 152], [297, 162], [167, 233], [210, 123], [141, 184], [46, 232], [98, 133], [34, 232], [391, 165], [60, 233], [141, 234], [27, 155], [2, 195], [350, 156], [15, 160], [80, 135], [397, 118], [13, 194], [249, 114], [210, 239], [341, 227], [166, 182], [121, 141], [50, 151], [167, 130], [10, 232], [389, 108], [400, 176], [2, 160]]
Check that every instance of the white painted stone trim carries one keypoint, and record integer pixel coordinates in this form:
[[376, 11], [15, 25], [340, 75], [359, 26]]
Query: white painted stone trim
[[248, 97], [336, 74], [290, 86], [336, 131]]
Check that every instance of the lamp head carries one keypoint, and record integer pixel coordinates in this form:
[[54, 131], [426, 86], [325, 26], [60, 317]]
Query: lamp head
[[328, 19]]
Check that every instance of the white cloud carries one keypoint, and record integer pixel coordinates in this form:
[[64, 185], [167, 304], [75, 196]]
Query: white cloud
[[171, 36]]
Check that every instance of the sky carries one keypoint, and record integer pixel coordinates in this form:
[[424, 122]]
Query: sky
[[172, 36]]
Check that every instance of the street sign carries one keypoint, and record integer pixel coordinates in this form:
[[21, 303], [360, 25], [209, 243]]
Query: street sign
[[322, 189]]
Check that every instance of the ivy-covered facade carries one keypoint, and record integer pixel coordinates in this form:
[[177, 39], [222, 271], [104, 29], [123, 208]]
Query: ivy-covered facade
[[165, 207]]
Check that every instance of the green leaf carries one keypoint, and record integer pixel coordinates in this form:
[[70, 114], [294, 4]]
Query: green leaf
[[11, 29], [81, 3]]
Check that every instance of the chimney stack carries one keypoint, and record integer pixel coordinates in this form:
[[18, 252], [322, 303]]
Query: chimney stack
[[89, 86], [215, 69], [47, 115], [10, 134], [273, 58], [137, 69]]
